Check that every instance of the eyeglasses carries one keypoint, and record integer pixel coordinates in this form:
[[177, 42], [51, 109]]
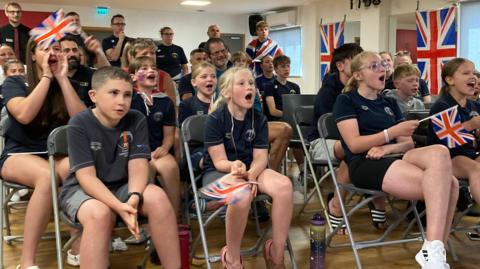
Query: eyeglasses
[[119, 24], [217, 53], [14, 11], [375, 66]]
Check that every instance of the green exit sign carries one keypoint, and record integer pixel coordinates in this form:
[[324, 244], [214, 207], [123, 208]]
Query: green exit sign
[[102, 10]]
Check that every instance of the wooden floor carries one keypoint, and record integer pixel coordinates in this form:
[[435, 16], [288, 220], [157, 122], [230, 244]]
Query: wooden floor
[[397, 256]]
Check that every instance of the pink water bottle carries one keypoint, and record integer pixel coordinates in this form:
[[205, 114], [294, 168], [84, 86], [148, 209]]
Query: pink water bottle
[[184, 237]]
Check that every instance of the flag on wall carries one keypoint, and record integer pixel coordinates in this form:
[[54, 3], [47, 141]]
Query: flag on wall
[[448, 128], [436, 44], [52, 29], [331, 37]]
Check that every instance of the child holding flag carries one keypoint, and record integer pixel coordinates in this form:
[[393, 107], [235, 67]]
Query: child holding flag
[[459, 81], [371, 127], [236, 138]]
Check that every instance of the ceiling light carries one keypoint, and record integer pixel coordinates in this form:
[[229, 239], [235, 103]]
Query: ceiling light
[[195, 3]]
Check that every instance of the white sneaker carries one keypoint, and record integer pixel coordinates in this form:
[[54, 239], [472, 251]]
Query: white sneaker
[[18, 194], [432, 255], [119, 245], [30, 267], [72, 259]]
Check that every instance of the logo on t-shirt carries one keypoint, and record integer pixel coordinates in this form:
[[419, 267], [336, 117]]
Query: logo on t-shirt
[[125, 138], [95, 146], [228, 135], [158, 116], [389, 111], [250, 135], [200, 112], [364, 107], [473, 114], [175, 55]]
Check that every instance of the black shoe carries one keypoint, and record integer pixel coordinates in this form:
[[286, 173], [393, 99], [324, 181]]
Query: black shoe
[[262, 211]]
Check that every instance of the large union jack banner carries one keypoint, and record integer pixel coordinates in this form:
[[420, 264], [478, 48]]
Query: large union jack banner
[[52, 29], [331, 37], [436, 44], [448, 128]]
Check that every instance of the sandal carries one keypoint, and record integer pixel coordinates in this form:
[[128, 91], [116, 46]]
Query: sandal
[[335, 220], [379, 218], [223, 258], [269, 263]]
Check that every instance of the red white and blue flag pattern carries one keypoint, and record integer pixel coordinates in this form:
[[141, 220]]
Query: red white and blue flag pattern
[[52, 29], [448, 128], [331, 37], [228, 190], [436, 44]]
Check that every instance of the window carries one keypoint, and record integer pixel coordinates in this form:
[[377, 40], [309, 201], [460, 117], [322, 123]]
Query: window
[[469, 32], [290, 41]]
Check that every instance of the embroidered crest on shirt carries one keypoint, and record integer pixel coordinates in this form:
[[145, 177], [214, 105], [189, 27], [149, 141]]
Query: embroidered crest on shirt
[[250, 135], [125, 138], [228, 135], [95, 146], [389, 111], [364, 107], [157, 116]]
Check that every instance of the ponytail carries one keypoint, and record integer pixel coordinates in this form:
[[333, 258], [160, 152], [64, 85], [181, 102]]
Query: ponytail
[[352, 84]]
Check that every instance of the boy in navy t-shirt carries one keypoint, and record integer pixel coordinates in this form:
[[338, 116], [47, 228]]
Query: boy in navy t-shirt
[[273, 91], [161, 122], [109, 174]]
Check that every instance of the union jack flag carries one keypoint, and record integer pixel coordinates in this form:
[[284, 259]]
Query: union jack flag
[[448, 128], [331, 37], [436, 44], [227, 189], [52, 29]]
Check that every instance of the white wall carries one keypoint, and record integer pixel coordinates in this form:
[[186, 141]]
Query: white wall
[[190, 28]]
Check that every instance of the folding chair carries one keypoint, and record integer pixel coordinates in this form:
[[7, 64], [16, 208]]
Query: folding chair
[[192, 131], [290, 103], [328, 130], [302, 119]]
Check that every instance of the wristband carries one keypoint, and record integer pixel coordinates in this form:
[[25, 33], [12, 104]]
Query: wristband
[[49, 78], [140, 196], [387, 138]]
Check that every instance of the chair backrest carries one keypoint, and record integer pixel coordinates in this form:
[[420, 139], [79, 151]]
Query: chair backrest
[[303, 118], [57, 141], [193, 129], [327, 128], [290, 103]]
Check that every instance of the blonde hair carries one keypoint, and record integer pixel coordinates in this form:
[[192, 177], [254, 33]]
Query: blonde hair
[[261, 24], [405, 70], [356, 65], [226, 86], [196, 69]]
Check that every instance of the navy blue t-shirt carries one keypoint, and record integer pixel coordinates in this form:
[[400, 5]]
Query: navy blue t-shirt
[[185, 85], [325, 99], [373, 116], [191, 106], [240, 142], [83, 77], [470, 110], [31, 137], [161, 113], [110, 42], [276, 90], [170, 59]]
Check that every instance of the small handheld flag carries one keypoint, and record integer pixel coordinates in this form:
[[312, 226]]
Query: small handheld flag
[[227, 189], [448, 128], [52, 29]]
